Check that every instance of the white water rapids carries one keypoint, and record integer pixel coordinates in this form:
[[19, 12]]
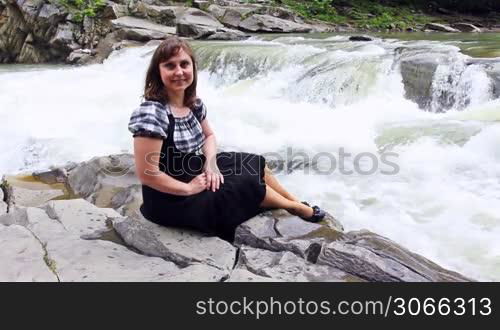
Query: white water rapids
[[309, 96]]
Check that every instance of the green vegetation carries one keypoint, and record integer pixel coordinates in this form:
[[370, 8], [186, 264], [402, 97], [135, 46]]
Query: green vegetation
[[82, 8], [361, 13]]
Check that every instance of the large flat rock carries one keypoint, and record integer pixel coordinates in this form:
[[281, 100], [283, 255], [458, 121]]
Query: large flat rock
[[22, 257], [83, 260], [181, 246], [71, 258], [267, 23], [130, 22], [80, 217]]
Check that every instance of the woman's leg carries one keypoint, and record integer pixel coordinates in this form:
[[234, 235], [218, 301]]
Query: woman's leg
[[276, 186], [273, 199]]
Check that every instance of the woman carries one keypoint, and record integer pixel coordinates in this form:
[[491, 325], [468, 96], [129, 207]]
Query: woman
[[181, 187]]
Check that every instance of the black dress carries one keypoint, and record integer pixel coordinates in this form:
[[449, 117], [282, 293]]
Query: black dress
[[216, 213]]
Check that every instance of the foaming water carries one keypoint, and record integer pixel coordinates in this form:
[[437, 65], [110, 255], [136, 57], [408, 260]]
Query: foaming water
[[310, 97]]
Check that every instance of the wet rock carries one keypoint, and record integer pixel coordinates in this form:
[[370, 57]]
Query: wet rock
[[57, 175], [466, 27], [360, 38], [79, 56], [22, 257], [181, 246], [128, 201], [439, 27], [101, 178], [21, 196], [267, 23], [286, 266], [141, 35], [228, 35], [417, 71]]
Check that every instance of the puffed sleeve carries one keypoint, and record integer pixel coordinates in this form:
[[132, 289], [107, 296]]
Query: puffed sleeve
[[200, 110], [150, 120]]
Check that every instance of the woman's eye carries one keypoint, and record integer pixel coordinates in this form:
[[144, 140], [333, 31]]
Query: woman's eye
[[185, 64]]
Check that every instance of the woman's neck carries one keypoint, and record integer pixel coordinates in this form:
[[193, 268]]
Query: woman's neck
[[176, 99]]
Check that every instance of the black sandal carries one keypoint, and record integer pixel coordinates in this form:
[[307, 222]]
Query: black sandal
[[318, 214]]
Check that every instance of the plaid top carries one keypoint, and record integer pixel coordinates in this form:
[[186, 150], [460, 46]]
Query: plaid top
[[150, 119]]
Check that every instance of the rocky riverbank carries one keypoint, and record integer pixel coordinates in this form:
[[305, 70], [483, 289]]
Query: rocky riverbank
[[41, 31], [81, 223]]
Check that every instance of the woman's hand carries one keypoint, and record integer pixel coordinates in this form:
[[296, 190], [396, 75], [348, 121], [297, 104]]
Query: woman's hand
[[213, 175], [197, 184]]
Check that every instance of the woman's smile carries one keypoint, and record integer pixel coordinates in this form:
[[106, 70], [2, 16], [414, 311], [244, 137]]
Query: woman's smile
[[177, 73]]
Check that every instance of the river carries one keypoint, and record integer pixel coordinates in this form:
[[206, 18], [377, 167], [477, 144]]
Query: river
[[426, 176]]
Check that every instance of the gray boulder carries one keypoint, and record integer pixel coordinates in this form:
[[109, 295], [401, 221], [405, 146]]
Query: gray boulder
[[101, 178], [376, 258], [360, 38], [279, 231], [227, 35], [267, 23], [164, 15], [466, 27], [29, 26], [197, 24], [440, 27], [23, 192], [417, 71], [216, 11], [80, 56], [362, 255], [128, 201], [141, 28], [57, 175]]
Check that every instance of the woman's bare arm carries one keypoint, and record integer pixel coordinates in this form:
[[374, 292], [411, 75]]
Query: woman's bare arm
[[214, 177], [147, 153]]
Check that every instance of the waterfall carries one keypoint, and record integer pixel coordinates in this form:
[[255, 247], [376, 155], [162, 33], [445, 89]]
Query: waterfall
[[348, 109]]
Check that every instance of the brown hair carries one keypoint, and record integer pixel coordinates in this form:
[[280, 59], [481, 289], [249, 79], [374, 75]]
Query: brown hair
[[154, 90]]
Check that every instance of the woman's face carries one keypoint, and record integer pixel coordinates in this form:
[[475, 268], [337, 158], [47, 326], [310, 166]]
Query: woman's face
[[177, 72]]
